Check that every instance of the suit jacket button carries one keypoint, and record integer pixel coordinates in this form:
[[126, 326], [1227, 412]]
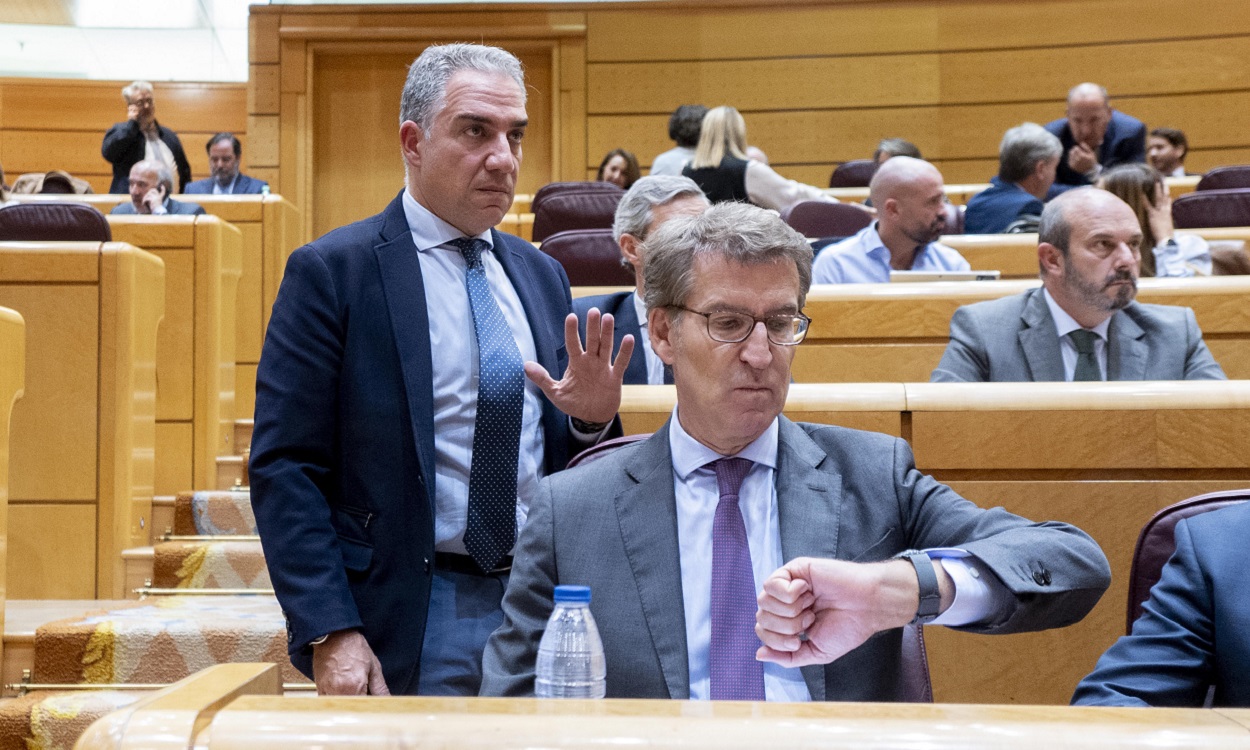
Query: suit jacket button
[[426, 560], [1041, 577]]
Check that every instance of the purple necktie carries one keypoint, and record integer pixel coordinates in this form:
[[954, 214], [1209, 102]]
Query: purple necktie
[[735, 673]]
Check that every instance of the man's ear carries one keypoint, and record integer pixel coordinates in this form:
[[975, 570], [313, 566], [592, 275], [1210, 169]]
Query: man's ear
[[661, 331], [630, 246], [1050, 259], [410, 137]]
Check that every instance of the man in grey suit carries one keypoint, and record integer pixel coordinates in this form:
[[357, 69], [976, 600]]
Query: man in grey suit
[[647, 204], [1083, 323], [150, 185], [676, 535]]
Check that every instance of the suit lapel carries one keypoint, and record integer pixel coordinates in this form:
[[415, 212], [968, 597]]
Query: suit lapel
[[627, 322], [808, 502], [1039, 341], [404, 288], [1126, 348], [647, 513]]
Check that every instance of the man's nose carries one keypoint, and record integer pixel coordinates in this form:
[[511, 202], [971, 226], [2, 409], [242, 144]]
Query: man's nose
[[500, 157], [757, 351]]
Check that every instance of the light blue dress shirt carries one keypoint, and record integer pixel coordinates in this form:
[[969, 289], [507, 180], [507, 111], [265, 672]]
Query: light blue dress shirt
[[978, 593], [864, 259], [454, 347]]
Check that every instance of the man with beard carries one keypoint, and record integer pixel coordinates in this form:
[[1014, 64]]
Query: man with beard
[[225, 154], [1082, 324], [911, 214]]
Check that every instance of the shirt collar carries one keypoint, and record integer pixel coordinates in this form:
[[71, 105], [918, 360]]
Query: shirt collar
[[689, 454], [875, 247], [429, 231], [1065, 323], [640, 308]]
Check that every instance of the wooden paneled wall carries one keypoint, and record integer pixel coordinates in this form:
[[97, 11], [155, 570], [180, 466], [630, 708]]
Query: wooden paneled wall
[[55, 124], [818, 82]]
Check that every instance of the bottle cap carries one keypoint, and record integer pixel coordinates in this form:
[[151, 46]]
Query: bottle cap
[[572, 594]]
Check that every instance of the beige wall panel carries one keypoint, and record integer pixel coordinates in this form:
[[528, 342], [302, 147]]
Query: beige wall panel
[[1048, 72], [264, 138], [264, 91], [39, 266], [174, 458], [294, 70], [570, 130], [1043, 668], [751, 85], [70, 530], [1233, 355], [1202, 160], [12, 378], [707, 33], [52, 453], [262, 38], [245, 391], [175, 343], [248, 323], [39, 151], [1194, 439], [866, 363]]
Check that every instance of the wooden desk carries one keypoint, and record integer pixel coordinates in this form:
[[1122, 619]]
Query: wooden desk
[[196, 346], [961, 194], [12, 378], [1101, 456], [83, 436]]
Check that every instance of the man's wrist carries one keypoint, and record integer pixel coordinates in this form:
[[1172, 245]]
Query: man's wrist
[[588, 428], [929, 595]]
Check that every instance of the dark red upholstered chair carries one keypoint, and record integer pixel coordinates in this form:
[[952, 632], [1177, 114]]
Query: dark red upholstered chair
[[590, 257], [1225, 178], [854, 173], [1157, 542], [821, 219], [914, 671], [53, 222], [560, 206], [1212, 208]]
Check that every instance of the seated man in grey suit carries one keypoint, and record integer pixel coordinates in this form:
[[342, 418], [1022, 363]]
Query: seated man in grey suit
[[1082, 324], [651, 201], [150, 185], [675, 535], [225, 155]]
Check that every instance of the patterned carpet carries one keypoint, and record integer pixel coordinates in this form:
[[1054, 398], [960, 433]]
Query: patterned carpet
[[214, 513], [55, 720], [210, 565]]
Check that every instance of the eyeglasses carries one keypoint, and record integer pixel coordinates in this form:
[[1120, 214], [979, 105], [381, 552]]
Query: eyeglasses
[[734, 327]]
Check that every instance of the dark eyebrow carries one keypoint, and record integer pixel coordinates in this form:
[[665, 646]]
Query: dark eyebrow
[[481, 119]]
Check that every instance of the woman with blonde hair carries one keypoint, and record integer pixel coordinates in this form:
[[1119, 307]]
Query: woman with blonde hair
[[1165, 252], [722, 170]]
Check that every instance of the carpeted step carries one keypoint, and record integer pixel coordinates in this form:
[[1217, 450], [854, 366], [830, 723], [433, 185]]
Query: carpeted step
[[209, 565], [214, 513], [55, 720], [161, 640]]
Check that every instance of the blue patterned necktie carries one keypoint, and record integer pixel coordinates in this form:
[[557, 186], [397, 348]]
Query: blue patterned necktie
[[491, 528], [735, 673]]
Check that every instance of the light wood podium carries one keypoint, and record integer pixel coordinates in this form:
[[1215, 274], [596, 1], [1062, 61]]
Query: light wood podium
[[12, 379]]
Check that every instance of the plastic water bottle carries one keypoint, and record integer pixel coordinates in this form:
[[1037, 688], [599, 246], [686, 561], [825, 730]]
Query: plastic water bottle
[[570, 654]]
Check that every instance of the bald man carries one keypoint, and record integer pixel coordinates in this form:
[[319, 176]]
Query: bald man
[[1095, 137], [911, 215]]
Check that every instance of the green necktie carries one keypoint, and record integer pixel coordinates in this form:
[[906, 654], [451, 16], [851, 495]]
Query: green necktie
[[1086, 363]]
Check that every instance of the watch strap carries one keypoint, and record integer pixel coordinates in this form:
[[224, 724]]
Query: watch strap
[[930, 605]]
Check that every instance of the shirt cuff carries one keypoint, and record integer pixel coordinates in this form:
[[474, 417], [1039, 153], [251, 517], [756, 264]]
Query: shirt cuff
[[978, 592]]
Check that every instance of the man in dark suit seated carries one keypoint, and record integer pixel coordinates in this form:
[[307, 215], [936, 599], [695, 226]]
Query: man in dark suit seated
[[650, 202], [1192, 634], [676, 535], [1027, 160], [150, 186], [397, 444], [1082, 323], [225, 155], [1094, 137]]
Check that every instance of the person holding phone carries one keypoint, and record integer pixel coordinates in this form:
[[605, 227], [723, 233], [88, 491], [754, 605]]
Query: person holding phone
[[150, 185]]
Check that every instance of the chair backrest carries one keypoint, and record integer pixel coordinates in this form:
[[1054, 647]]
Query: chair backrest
[[821, 219], [1157, 542], [915, 687], [559, 206], [1225, 178], [53, 222], [1212, 208], [590, 257], [853, 173]]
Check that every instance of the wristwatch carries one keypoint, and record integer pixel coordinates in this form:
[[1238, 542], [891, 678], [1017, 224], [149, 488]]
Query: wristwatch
[[930, 597]]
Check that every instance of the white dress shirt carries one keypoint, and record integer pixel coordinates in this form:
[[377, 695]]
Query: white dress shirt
[[655, 365], [977, 593], [1065, 324], [453, 345], [154, 149]]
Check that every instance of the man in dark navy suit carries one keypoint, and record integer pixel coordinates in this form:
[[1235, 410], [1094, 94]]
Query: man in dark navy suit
[[397, 443], [1094, 137], [651, 201], [225, 155]]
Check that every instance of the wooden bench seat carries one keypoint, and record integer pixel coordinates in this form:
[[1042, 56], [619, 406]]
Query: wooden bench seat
[[1102, 456]]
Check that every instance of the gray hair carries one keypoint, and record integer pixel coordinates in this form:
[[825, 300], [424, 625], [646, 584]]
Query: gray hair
[[738, 232], [428, 75], [129, 91], [163, 175], [1022, 148], [1089, 89], [634, 212]]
